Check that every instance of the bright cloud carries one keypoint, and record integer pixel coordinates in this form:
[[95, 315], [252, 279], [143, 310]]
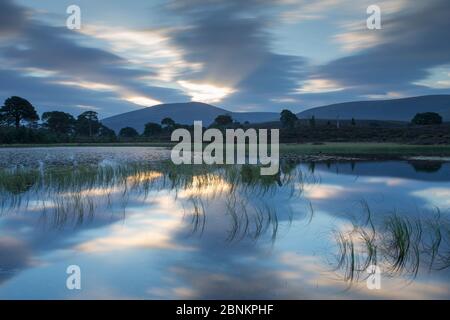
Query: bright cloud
[[203, 92], [142, 101], [96, 86], [319, 86], [387, 95], [439, 78], [356, 37], [308, 9], [124, 93], [144, 48], [247, 55]]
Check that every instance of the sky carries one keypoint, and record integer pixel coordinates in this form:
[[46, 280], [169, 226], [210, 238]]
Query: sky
[[252, 55]]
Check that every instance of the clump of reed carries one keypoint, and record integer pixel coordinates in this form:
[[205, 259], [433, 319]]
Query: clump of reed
[[73, 194], [399, 244]]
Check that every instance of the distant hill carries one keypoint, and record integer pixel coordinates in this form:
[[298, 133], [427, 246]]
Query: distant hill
[[183, 113], [396, 109], [381, 110]]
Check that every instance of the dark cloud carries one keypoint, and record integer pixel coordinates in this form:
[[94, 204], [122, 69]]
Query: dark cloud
[[47, 96], [412, 42], [57, 49], [231, 40], [226, 46], [276, 78], [53, 48], [12, 18]]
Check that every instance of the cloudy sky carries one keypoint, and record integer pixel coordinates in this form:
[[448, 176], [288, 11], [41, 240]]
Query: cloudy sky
[[241, 55]]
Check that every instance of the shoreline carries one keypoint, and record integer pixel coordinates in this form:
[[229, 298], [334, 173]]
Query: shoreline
[[364, 152], [327, 151]]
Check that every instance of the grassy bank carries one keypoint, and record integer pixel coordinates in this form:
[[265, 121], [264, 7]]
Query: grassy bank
[[365, 149], [111, 144], [381, 149]]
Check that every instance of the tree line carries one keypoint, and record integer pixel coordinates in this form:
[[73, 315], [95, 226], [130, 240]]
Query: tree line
[[19, 123], [164, 129], [289, 120], [423, 128]]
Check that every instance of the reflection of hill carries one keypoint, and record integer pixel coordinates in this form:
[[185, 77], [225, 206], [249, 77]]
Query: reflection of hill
[[414, 170], [426, 166]]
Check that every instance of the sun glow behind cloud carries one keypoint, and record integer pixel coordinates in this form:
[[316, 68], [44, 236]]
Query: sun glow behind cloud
[[204, 92], [273, 54], [142, 101]]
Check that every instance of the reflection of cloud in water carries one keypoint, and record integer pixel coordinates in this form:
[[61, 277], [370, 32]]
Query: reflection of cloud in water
[[145, 176], [14, 256], [307, 271], [248, 247], [439, 197], [92, 192], [245, 282], [324, 191], [295, 276], [142, 229], [214, 186], [390, 182]]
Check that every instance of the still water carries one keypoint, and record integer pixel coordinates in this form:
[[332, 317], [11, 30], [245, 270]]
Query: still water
[[141, 228]]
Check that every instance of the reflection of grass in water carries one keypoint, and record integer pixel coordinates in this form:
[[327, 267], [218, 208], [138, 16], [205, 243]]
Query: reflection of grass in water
[[72, 194], [13, 184], [243, 183], [18, 181], [72, 207], [402, 241], [399, 245], [69, 192], [198, 215]]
